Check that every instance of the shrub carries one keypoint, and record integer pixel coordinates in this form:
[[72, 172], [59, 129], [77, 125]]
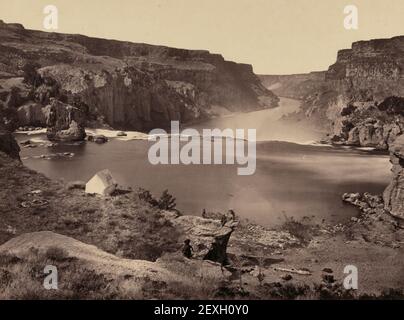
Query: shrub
[[8, 259], [88, 284], [145, 195], [301, 231], [56, 254], [31, 75], [392, 105], [167, 201]]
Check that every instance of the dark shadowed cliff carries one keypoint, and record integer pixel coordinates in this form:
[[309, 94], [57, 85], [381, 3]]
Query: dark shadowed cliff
[[123, 84]]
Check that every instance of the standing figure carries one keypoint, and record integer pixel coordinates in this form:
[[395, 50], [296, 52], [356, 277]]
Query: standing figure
[[187, 249]]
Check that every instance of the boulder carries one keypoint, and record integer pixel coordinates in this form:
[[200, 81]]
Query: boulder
[[102, 183], [208, 237], [26, 142], [64, 122], [370, 134], [100, 139], [393, 196], [74, 133]]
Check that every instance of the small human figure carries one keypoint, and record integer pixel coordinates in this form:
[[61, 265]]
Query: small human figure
[[223, 220], [204, 213], [187, 249], [233, 214]]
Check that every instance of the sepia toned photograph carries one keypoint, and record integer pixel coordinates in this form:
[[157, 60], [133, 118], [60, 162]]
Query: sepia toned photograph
[[219, 151]]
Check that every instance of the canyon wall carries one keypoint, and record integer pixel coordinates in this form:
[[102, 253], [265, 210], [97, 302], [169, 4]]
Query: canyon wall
[[394, 194], [359, 100], [125, 85], [295, 86]]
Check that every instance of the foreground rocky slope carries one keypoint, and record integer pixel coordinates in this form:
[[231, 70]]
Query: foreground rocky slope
[[122, 84], [360, 100], [125, 247]]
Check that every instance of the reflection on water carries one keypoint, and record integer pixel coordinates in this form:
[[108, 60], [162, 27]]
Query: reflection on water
[[292, 180], [267, 124]]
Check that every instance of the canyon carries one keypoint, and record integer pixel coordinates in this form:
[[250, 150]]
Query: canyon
[[358, 100], [120, 84], [129, 246]]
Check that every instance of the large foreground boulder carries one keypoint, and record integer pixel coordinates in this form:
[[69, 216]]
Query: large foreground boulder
[[394, 194], [209, 238]]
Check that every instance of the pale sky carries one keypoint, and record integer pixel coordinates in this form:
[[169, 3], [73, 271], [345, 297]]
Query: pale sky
[[275, 36]]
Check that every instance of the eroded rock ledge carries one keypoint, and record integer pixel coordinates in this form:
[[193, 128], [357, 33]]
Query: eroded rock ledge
[[394, 194], [125, 85]]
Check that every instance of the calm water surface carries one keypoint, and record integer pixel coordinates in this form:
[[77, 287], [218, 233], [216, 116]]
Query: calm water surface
[[291, 179]]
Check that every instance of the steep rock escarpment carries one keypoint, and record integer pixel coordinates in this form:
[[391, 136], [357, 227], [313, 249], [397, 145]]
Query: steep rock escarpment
[[359, 100], [125, 85], [394, 194], [375, 207]]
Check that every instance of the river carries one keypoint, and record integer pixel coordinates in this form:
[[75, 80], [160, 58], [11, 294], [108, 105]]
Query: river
[[293, 178]]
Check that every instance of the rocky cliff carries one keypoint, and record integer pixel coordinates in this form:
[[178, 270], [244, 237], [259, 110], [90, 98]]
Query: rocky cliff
[[394, 194], [125, 85], [359, 101], [295, 86]]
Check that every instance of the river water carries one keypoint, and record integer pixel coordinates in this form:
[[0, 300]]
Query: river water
[[293, 178]]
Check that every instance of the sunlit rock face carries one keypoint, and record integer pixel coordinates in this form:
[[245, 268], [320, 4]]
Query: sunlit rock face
[[129, 85], [352, 93], [394, 194]]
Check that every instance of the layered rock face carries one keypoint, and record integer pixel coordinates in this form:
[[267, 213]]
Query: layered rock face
[[375, 67], [128, 85], [350, 103], [394, 194]]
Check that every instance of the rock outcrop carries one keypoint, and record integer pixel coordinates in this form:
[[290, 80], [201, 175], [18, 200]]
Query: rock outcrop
[[350, 102], [8, 145], [209, 238], [64, 122], [126, 85], [394, 194], [368, 125]]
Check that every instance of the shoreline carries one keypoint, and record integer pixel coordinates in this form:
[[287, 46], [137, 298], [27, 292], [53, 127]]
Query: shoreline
[[255, 251]]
